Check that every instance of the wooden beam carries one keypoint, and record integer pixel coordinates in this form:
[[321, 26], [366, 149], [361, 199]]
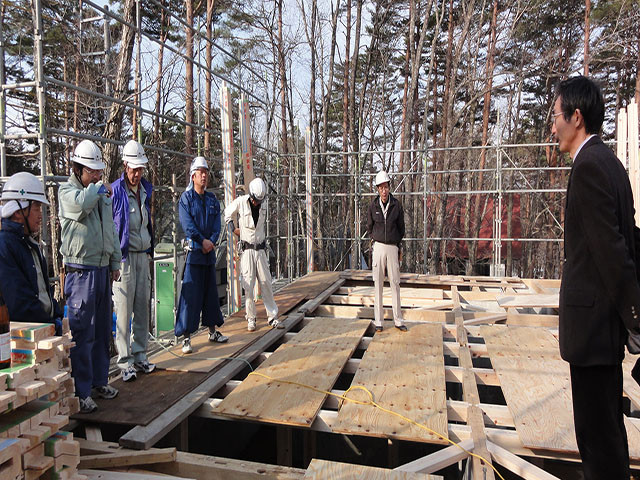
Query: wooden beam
[[517, 465], [438, 460], [127, 458]]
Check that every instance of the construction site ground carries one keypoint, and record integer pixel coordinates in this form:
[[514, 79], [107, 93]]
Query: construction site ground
[[478, 375]]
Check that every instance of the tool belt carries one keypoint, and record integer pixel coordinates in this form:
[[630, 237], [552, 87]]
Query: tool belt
[[252, 246]]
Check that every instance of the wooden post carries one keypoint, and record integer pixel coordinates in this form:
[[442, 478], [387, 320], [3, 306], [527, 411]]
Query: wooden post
[[284, 444], [245, 138], [309, 198], [632, 136], [226, 119]]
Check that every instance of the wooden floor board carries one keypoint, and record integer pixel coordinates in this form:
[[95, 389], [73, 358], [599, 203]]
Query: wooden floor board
[[536, 385], [405, 374], [207, 355], [315, 358], [325, 470]]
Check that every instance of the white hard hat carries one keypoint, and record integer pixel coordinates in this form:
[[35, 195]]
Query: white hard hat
[[198, 162], [88, 154], [382, 177], [133, 155], [257, 189], [24, 186]]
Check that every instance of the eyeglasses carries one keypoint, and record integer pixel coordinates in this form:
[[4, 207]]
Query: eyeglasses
[[554, 116]]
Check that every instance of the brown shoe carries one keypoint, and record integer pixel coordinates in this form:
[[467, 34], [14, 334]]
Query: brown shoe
[[378, 329]]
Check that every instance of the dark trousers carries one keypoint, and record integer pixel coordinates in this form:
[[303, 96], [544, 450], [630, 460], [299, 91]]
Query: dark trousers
[[88, 294], [599, 421], [199, 295]]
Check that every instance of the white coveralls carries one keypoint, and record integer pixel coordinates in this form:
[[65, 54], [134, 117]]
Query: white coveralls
[[253, 262]]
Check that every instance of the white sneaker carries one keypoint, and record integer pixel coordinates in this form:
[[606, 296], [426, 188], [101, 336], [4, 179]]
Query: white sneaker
[[186, 346], [129, 374], [251, 324]]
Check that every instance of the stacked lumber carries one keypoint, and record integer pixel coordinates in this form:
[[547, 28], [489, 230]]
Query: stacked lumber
[[36, 400]]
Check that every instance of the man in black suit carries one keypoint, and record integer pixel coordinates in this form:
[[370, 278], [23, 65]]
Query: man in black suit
[[599, 294]]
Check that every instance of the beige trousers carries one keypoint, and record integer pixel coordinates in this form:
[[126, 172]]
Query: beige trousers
[[386, 256]]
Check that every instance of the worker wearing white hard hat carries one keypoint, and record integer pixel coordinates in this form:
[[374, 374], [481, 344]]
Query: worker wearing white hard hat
[[91, 256], [251, 211], [132, 292], [24, 275], [385, 224], [199, 213]]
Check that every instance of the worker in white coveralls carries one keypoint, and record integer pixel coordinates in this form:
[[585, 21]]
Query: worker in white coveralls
[[132, 292], [252, 210], [385, 223]]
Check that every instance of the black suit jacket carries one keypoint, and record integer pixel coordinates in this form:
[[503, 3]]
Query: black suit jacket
[[600, 292]]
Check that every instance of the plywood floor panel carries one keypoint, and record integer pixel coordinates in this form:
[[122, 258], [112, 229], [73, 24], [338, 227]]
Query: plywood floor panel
[[536, 385], [405, 374], [325, 470], [315, 357], [207, 355]]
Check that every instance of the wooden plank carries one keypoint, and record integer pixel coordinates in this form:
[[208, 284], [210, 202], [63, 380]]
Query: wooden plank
[[529, 300], [93, 474], [405, 292], [128, 408], [410, 314], [531, 320], [536, 385], [369, 301], [631, 387], [198, 466], [325, 470], [440, 459], [517, 465], [405, 374], [315, 357], [126, 458], [206, 355], [142, 437]]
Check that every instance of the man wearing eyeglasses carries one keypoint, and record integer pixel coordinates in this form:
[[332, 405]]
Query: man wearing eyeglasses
[[91, 255], [599, 293], [132, 293]]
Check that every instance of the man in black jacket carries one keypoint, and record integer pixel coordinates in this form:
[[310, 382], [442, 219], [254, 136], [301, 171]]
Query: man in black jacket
[[385, 223], [599, 294]]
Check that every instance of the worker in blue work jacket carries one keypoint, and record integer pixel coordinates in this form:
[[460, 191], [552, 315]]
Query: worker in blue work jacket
[[91, 255], [199, 212], [24, 276], [132, 293]]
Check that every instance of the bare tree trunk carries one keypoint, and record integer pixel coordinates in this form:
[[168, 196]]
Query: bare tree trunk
[[188, 80], [113, 127], [486, 113], [587, 34], [345, 118], [283, 113], [208, 80]]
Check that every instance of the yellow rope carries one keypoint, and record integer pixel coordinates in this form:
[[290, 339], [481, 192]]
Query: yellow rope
[[371, 402]]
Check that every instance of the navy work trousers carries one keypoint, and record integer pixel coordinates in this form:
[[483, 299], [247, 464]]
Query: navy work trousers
[[88, 294], [199, 295]]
